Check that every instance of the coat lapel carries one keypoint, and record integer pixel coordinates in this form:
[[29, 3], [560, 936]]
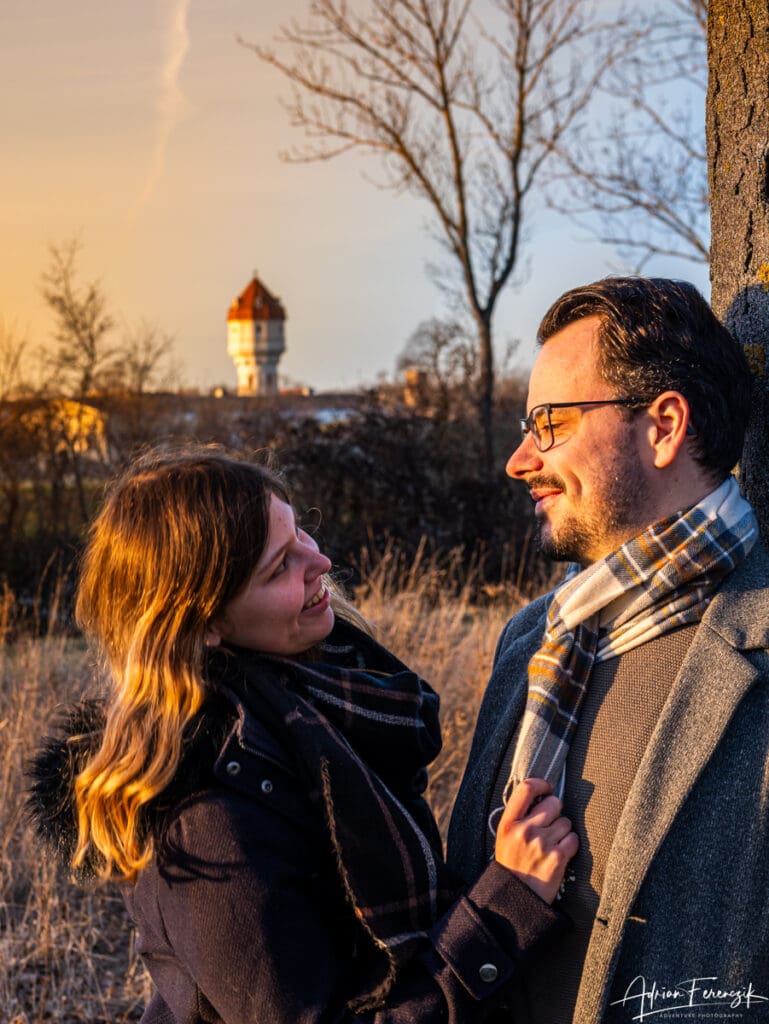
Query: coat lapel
[[690, 727], [714, 677]]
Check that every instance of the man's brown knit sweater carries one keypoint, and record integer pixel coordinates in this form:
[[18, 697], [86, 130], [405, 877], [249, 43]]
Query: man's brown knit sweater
[[621, 707]]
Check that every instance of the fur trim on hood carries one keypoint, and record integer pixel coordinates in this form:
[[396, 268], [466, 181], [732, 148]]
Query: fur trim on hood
[[63, 755]]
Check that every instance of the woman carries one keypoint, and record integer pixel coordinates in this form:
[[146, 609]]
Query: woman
[[255, 776]]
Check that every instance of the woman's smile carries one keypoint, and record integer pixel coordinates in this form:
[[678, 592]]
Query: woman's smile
[[322, 595], [272, 613]]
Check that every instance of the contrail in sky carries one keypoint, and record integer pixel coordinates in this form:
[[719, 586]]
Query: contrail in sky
[[171, 98]]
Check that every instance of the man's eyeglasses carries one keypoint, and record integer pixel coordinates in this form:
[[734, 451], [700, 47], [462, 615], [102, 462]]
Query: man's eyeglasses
[[546, 425]]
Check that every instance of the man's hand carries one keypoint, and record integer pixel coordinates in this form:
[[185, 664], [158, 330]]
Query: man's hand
[[535, 843]]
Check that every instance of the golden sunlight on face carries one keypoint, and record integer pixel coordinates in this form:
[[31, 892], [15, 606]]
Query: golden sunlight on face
[[284, 608], [589, 489]]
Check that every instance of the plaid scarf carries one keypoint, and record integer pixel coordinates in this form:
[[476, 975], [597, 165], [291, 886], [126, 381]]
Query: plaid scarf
[[662, 579], [362, 727]]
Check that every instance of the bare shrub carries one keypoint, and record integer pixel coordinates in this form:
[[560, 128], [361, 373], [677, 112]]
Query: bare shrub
[[65, 953]]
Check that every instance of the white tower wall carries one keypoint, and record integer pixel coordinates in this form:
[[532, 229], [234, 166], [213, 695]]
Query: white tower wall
[[255, 346]]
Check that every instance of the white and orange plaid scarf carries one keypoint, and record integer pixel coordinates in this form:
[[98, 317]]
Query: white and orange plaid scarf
[[662, 579]]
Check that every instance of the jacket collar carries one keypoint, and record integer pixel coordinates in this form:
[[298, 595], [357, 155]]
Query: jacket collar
[[739, 613]]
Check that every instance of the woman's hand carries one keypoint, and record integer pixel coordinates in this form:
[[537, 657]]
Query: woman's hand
[[535, 843]]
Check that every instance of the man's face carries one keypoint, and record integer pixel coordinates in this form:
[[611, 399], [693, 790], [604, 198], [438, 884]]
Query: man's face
[[591, 489]]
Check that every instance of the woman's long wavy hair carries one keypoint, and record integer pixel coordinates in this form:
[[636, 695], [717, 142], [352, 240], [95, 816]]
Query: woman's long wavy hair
[[176, 539]]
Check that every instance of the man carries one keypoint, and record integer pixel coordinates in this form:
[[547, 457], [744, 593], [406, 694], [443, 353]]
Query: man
[[640, 689]]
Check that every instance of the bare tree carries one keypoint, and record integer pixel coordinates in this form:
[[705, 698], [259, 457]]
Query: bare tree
[[637, 178], [13, 347], [446, 356], [143, 358], [83, 324], [83, 359], [738, 129], [463, 112]]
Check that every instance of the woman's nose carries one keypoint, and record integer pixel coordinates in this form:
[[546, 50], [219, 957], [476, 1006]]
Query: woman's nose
[[322, 562], [317, 562], [526, 459]]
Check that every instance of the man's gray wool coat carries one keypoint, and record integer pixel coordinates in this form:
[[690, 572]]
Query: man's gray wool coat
[[686, 891]]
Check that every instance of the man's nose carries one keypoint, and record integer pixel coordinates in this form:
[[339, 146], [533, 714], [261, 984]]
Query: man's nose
[[525, 459]]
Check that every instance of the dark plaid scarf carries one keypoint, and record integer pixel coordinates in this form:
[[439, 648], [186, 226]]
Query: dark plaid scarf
[[661, 579], [362, 727]]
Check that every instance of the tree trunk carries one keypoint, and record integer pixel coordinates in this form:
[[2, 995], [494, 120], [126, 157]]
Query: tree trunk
[[486, 394], [738, 167]]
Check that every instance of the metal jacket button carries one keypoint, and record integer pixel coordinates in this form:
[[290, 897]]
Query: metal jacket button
[[266, 786], [232, 768], [488, 972]]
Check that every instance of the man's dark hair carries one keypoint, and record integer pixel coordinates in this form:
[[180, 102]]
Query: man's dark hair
[[661, 335]]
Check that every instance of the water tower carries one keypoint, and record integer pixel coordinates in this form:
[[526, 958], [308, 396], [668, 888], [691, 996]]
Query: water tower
[[256, 338]]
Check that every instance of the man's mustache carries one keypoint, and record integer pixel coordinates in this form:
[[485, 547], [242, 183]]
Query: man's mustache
[[543, 480]]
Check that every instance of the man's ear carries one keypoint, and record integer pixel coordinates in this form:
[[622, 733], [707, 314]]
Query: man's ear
[[670, 416]]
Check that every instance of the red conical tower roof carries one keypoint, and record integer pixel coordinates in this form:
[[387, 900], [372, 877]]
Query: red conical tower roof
[[255, 303]]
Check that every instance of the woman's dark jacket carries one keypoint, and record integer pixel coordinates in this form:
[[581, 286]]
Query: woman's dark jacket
[[298, 875]]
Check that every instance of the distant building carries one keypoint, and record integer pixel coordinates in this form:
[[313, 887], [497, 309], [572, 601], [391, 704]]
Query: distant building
[[256, 339], [73, 426], [415, 388]]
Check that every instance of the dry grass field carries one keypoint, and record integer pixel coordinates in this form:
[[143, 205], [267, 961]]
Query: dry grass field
[[66, 955]]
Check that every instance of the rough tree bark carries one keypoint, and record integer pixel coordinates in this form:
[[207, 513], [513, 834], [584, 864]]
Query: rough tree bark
[[738, 160]]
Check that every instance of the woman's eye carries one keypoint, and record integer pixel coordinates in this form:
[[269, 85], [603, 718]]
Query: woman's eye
[[279, 568]]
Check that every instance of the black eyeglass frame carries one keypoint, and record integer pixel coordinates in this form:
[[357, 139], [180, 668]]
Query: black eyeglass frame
[[527, 423]]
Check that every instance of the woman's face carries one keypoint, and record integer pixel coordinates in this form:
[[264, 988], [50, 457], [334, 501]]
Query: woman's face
[[284, 608]]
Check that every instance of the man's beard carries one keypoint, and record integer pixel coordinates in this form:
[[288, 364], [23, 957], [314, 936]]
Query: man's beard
[[615, 514]]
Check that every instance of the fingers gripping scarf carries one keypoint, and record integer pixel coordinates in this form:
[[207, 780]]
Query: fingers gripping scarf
[[662, 579]]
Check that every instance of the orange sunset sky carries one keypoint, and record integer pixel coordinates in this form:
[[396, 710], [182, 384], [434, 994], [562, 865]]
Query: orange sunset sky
[[145, 130]]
